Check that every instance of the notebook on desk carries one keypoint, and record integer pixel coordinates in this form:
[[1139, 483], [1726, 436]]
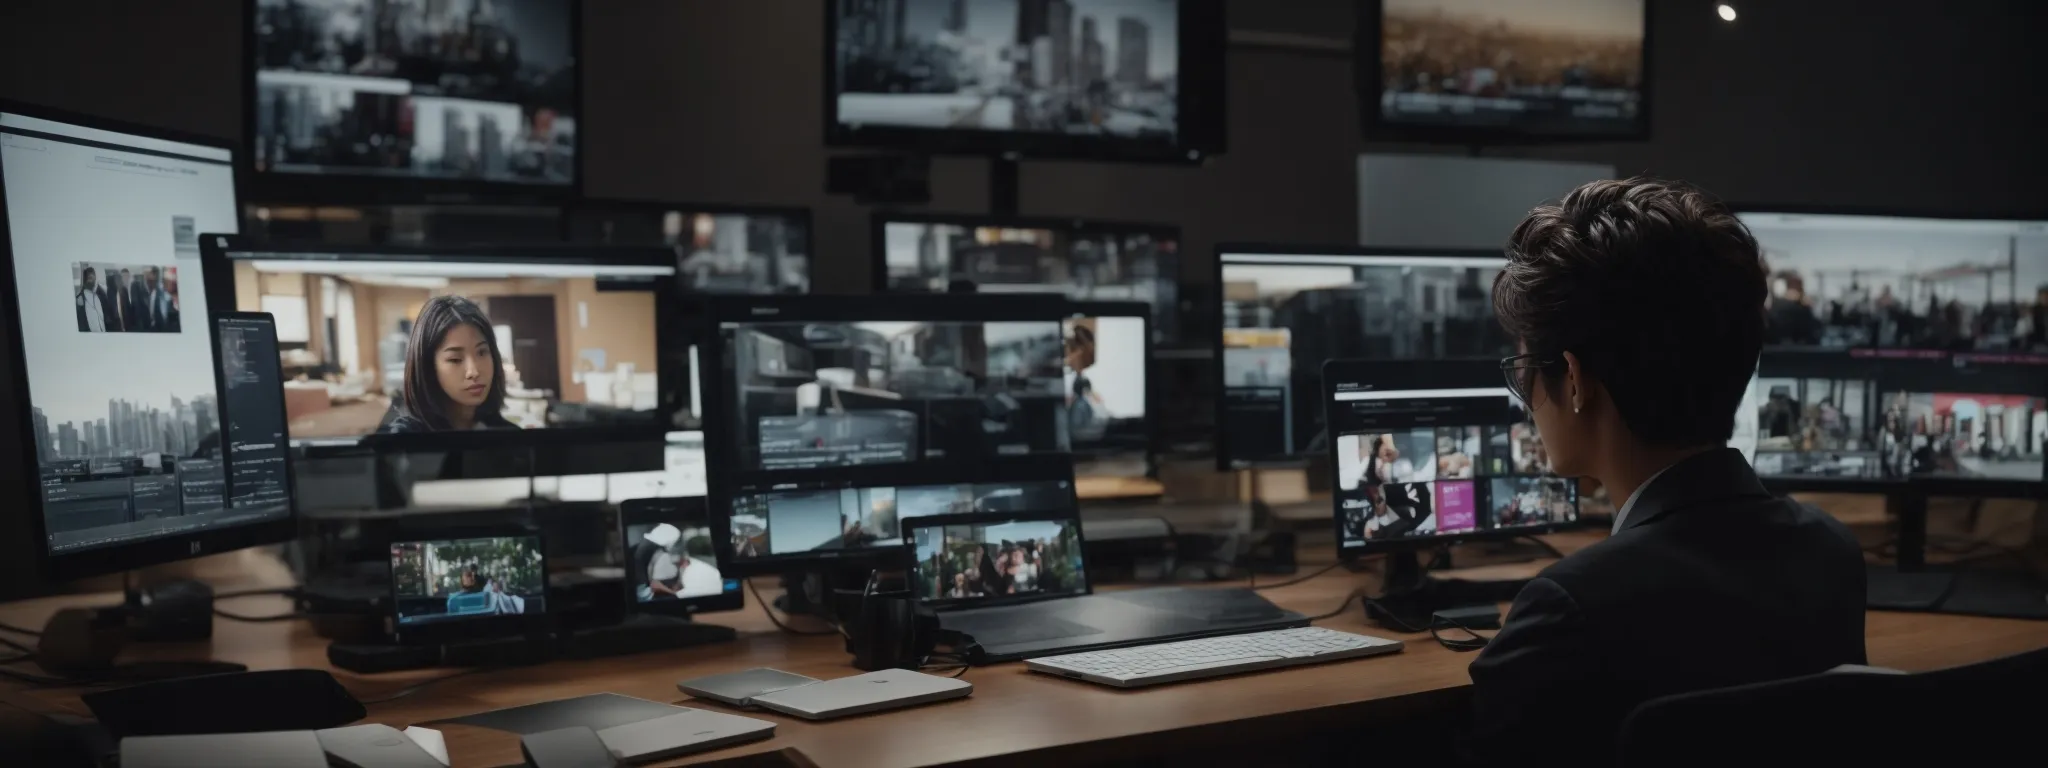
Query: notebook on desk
[[1018, 586]]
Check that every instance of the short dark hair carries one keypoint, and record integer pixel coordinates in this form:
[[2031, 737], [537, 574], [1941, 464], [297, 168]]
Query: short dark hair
[[1659, 291]]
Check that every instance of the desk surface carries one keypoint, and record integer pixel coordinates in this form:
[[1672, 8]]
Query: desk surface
[[1014, 716]]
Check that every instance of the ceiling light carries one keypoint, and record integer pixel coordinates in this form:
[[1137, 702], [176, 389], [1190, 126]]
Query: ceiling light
[[1727, 12]]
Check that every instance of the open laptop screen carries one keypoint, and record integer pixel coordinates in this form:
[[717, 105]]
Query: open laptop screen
[[979, 560]]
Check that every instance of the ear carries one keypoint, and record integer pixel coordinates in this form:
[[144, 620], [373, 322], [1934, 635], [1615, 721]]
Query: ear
[[1575, 383]]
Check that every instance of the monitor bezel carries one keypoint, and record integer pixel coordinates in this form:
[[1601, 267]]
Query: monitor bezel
[[635, 511], [1203, 131], [352, 189], [113, 558], [1366, 43], [215, 250], [1364, 367], [1225, 462], [722, 472], [909, 555]]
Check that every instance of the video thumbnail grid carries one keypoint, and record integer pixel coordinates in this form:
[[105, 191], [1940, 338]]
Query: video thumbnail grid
[[847, 518], [1433, 481]]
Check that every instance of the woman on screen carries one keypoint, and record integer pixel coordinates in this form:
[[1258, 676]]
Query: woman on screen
[[454, 377]]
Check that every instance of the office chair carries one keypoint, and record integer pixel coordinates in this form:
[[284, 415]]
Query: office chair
[[1861, 718]]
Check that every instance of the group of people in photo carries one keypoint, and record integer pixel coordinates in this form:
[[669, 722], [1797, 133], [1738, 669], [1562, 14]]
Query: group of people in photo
[[114, 298]]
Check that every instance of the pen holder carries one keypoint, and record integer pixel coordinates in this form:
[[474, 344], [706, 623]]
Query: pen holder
[[890, 630]]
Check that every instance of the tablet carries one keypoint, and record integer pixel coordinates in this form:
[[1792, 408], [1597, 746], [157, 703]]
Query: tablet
[[861, 694]]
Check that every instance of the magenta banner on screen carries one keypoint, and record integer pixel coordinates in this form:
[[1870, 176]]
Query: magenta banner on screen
[[1454, 509]]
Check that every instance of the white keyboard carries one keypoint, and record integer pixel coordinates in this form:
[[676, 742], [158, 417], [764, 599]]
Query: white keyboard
[[1212, 656]]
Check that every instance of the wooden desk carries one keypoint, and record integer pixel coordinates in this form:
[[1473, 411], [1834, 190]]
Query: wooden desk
[[1014, 717]]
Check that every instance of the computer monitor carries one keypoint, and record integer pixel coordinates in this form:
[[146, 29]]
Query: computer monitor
[[1085, 260], [671, 558], [1812, 418], [383, 351], [1429, 451], [1847, 280], [1110, 398], [1478, 71], [719, 248], [1103, 79], [1967, 425], [113, 408], [1286, 309], [840, 415], [377, 101]]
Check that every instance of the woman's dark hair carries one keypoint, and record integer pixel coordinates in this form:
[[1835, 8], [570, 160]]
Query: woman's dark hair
[[1658, 290], [424, 399]]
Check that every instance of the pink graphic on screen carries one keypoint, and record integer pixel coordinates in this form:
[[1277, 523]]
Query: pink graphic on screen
[[1454, 509]]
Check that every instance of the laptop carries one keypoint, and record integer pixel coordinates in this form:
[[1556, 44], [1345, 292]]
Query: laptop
[[1017, 585]]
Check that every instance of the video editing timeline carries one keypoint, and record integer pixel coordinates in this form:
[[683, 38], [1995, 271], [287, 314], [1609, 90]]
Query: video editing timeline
[[1107, 361], [572, 343], [1002, 557], [1084, 261], [483, 90], [824, 521], [1091, 67], [117, 357], [454, 580], [1285, 313], [1542, 68], [1419, 463], [252, 417], [814, 395], [1890, 282]]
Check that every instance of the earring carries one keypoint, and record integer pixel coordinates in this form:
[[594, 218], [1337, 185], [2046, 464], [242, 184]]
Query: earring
[[1575, 407]]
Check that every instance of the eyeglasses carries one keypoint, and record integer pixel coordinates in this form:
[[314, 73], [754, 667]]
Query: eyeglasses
[[1518, 371]]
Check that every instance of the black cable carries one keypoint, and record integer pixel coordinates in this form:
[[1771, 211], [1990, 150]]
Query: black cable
[[1291, 582], [258, 619], [770, 610], [422, 685], [17, 646], [21, 630], [959, 665], [1548, 548], [285, 591], [1477, 641], [1340, 606]]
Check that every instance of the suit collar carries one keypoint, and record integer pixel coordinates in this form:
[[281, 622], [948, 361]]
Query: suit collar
[[1715, 475]]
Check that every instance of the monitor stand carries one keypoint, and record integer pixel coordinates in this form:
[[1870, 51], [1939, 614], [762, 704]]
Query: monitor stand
[[1409, 595]]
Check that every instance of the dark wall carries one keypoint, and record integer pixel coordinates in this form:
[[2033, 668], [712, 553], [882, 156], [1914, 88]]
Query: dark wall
[[1868, 103]]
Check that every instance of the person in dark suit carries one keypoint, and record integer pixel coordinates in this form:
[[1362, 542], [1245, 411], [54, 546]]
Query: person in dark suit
[[116, 310], [133, 309], [1635, 303], [159, 313]]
